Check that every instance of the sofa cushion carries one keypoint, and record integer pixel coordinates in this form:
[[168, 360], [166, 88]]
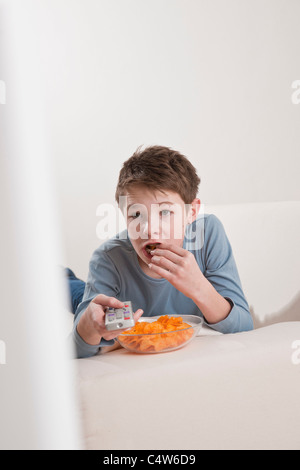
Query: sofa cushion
[[234, 391], [265, 241]]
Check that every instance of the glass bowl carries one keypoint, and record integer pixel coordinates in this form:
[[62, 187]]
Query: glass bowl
[[149, 343]]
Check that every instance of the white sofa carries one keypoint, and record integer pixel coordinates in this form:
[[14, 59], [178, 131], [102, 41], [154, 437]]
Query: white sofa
[[237, 391], [265, 240]]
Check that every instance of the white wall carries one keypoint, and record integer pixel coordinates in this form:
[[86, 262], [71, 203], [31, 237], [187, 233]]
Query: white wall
[[211, 78]]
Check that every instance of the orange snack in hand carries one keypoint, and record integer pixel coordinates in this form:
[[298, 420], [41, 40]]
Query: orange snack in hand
[[173, 332]]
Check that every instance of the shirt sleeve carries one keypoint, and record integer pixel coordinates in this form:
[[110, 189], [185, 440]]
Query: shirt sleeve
[[103, 278], [221, 271]]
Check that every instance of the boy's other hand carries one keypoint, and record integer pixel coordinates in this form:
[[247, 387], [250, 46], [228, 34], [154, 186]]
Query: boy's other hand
[[91, 326], [178, 266]]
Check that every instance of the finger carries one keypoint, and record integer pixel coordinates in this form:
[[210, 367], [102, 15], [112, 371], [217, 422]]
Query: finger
[[113, 334], [137, 315], [164, 263], [161, 271], [171, 256], [178, 250], [107, 301], [172, 252]]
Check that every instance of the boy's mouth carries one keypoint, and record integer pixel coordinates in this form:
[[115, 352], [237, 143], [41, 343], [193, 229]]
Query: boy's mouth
[[148, 248]]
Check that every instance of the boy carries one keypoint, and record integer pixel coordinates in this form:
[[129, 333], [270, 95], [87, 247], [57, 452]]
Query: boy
[[153, 263]]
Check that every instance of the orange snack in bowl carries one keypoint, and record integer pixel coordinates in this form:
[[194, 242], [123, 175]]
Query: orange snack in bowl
[[164, 333]]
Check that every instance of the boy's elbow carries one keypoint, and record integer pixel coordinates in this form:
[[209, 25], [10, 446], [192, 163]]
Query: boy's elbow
[[248, 325], [239, 320], [245, 322]]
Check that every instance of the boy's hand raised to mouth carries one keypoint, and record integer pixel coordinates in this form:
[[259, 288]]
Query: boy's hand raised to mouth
[[178, 266]]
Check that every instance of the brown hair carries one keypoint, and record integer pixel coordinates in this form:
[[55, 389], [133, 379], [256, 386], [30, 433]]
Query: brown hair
[[159, 168]]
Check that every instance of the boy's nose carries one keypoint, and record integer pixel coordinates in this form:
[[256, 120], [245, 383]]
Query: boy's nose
[[151, 228]]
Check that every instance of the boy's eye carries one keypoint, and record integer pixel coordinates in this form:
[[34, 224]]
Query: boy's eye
[[165, 212], [135, 215]]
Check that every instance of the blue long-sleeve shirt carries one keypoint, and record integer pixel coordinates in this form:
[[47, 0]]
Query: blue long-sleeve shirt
[[114, 270]]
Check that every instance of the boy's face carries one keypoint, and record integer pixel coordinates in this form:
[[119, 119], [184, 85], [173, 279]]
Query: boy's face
[[155, 217]]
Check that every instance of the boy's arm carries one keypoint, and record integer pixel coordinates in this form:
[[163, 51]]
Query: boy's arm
[[101, 291], [217, 291], [180, 268]]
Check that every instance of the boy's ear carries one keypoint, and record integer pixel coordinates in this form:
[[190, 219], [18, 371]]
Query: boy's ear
[[193, 210]]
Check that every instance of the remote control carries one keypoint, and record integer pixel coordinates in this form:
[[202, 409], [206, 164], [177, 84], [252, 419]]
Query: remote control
[[117, 318]]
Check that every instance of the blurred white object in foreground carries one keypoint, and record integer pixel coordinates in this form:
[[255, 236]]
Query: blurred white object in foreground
[[38, 402]]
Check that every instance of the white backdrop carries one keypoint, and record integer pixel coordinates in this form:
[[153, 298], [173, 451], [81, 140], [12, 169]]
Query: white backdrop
[[211, 78]]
